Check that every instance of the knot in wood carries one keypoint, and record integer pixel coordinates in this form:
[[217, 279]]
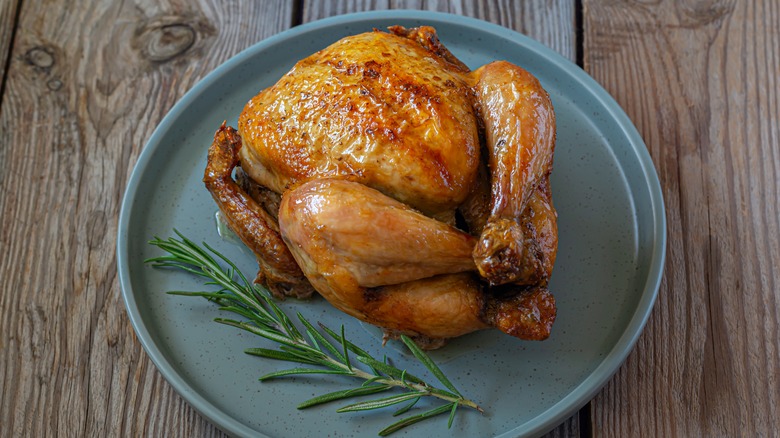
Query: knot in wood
[[697, 13], [54, 84], [165, 42], [42, 58]]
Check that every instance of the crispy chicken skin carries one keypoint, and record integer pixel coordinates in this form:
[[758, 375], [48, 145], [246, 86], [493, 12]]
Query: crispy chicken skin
[[356, 165], [368, 234], [376, 108], [520, 136], [256, 228], [413, 283], [400, 281]]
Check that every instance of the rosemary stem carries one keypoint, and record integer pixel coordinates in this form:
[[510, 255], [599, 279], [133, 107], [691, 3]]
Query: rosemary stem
[[264, 318], [360, 374]]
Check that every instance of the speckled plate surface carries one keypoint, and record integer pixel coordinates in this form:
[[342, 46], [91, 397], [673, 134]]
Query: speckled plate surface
[[612, 243]]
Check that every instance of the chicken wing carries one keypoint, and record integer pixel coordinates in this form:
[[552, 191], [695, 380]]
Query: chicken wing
[[256, 228]]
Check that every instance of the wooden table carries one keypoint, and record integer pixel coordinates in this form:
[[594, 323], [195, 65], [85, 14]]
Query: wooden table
[[83, 84]]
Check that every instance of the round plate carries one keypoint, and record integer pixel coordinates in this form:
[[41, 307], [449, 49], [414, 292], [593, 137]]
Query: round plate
[[610, 259]]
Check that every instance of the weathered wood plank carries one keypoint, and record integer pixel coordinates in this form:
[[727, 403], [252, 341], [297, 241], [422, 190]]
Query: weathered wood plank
[[700, 80], [551, 22], [85, 87], [7, 25]]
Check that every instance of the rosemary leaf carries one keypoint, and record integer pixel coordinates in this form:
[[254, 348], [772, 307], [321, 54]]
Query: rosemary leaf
[[320, 339], [380, 402], [346, 393], [296, 371], [179, 266], [371, 380], [452, 415], [234, 269], [352, 347], [429, 363], [268, 334], [308, 355], [390, 370], [344, 346], [408, 421], [204, 294], [279, 355], [289, 327], [406, 408]]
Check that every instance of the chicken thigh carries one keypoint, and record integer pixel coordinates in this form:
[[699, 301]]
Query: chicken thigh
[[414, 192], [418, 279]]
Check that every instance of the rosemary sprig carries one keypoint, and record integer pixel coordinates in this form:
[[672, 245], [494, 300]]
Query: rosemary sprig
[[319, 354]]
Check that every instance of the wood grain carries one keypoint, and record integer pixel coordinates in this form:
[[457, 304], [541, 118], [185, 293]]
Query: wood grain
[[85, 87], [8, 11], [700, 81], [550, 22]]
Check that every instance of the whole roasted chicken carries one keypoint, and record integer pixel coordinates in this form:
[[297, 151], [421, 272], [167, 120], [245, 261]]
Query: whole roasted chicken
[[409, 191]]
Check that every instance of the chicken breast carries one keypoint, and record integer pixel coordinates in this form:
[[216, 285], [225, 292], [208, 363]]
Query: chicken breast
[[376, 108]]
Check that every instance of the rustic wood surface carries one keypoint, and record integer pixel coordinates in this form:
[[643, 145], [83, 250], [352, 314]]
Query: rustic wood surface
[[7, 20], [84, 84], [701, 82]]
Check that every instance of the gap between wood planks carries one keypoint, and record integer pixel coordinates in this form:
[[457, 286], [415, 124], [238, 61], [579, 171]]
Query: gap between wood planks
[[297, 13], [579, 54]]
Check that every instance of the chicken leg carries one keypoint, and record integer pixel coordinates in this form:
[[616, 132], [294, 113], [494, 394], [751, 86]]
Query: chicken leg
[[520, 135], [380, 261]]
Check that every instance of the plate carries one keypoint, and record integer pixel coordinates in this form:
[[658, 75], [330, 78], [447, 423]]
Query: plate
[[610, 259]]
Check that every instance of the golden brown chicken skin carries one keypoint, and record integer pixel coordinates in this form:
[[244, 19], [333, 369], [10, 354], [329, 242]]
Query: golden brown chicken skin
[[413, 283], [376, 108], [369, 150], [520, 138], [256, 228]]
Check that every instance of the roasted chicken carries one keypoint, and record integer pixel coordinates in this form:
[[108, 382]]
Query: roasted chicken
[[409, 191]]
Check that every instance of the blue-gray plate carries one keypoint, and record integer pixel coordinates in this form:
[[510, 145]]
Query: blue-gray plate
[[611, 254]]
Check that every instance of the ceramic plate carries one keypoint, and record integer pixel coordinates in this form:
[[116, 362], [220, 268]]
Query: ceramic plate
[[610, 259]]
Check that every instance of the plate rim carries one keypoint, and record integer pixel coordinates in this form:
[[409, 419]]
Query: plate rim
[[557, 412]]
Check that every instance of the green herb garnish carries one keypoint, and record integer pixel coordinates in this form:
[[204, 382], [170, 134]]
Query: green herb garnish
[[318, 353]]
